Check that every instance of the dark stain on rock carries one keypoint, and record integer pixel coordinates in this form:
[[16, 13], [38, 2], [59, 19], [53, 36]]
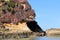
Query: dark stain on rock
[[34, 26]]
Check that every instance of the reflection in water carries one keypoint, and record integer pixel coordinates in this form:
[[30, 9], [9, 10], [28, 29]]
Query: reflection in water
[[37, 38], [53, 36], [30, 38]]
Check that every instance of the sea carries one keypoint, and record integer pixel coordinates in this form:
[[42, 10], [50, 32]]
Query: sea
[[36, 38]]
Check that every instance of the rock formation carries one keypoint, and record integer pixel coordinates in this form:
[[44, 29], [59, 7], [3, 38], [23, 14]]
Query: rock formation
[[17, 16], [53, 31]]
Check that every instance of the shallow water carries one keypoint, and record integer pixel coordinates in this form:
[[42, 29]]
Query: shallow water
[[37, 38]]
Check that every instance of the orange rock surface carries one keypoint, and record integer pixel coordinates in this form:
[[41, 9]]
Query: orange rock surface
[[20, 28]]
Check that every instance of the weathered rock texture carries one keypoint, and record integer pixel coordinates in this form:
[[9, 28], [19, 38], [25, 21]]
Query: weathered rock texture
[[14, 11], [17, 16]]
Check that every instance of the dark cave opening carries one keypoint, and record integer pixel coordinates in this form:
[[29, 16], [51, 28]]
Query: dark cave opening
[[33, 26]]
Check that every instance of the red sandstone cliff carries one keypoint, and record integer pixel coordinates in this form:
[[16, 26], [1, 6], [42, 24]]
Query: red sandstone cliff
[[17, 16]]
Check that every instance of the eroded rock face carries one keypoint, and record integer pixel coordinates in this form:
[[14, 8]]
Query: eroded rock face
[[14, 14], [14, 11], [17, 16], [20, 28]]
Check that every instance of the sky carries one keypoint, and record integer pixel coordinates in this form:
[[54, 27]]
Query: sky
[[47, 13]]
